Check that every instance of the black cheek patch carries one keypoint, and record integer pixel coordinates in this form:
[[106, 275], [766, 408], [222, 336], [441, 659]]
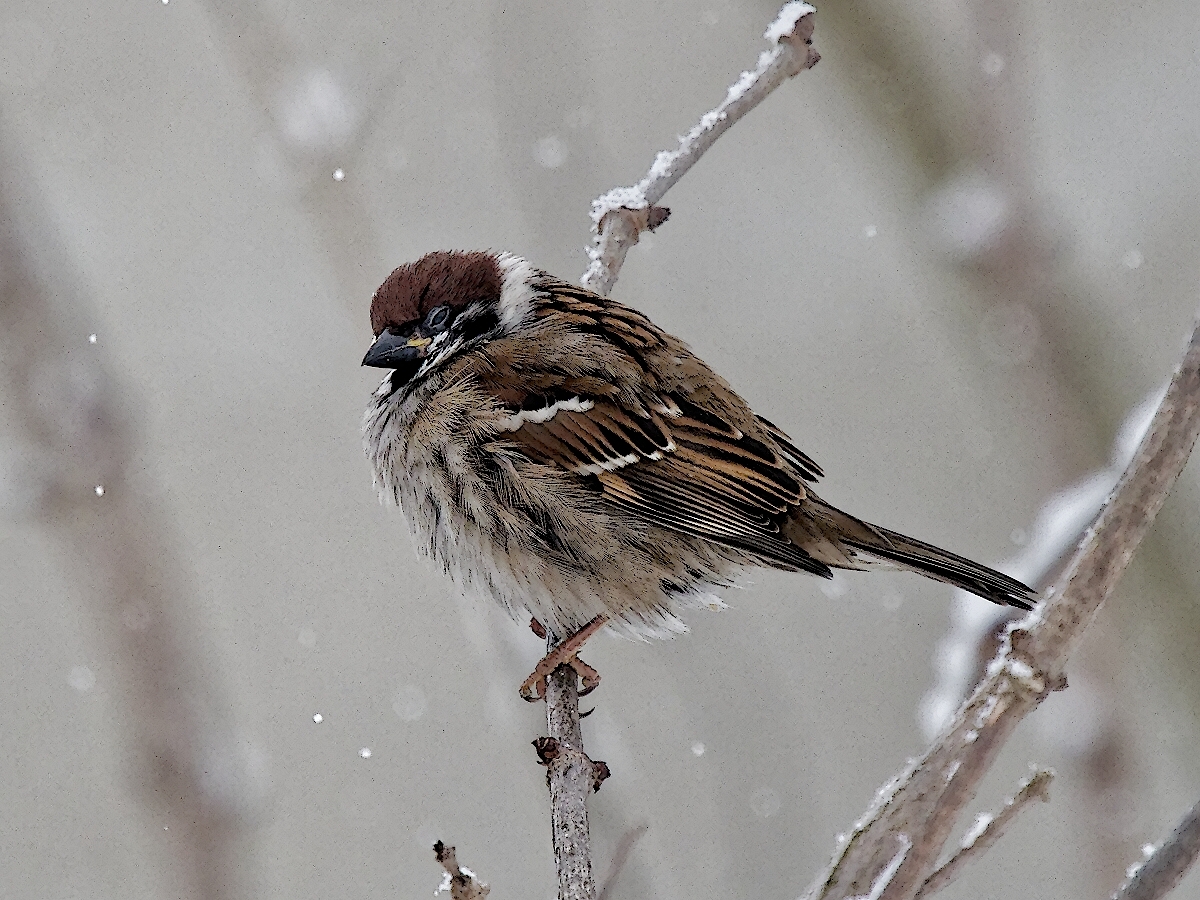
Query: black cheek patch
[[404, 374], [479, 324]]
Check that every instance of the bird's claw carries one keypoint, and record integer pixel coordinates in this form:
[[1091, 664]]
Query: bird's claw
[[533, 688]]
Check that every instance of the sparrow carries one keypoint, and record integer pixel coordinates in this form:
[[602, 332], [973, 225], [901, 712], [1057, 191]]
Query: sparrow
[[555, 450]]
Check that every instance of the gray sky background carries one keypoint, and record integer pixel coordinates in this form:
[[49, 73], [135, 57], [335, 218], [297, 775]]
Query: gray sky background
[[948, 261]]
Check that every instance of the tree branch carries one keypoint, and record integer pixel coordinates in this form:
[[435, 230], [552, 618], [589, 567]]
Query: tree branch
[[620, 216], [1166, 865], [461, 882], [571, 779], [925, 800], [988, 830]]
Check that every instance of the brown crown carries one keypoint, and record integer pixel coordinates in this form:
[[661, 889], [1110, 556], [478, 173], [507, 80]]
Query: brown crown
[[443, 278]]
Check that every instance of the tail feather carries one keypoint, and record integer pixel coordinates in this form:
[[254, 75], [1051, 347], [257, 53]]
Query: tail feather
[[859, 537], [934, 562]]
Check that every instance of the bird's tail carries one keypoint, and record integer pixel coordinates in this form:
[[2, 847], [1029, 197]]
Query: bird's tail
[[854, 544]]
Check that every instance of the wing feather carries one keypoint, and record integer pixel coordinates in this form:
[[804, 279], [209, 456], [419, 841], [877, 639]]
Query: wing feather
[[650, 434], [686, 474], [804, 463], [663, 503]]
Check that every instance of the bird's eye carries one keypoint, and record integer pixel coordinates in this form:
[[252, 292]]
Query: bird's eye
[[437, 318]]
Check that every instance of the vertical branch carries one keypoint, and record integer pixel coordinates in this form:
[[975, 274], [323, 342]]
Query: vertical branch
[[571, 779], [618, 218]]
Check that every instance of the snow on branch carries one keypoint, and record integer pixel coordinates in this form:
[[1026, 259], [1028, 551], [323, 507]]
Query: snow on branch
[[884, 878], [925, 800], [459, 881], [1166, 864], [621, 215], [618, 218], [988, 829]]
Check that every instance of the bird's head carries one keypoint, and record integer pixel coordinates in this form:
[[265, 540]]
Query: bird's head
[[427, 311]]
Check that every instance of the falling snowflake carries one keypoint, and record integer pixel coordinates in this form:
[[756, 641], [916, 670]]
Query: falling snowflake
[[409, 703], [551, 152]]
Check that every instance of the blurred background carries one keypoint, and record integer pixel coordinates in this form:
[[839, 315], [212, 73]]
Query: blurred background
[[951, 261]]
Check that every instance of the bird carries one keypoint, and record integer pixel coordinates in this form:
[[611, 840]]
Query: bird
[[556, 451]]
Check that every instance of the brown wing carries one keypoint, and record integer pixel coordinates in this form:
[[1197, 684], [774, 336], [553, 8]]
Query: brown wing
[[805, 466], [651, 428], [641, 339], [679, 467]]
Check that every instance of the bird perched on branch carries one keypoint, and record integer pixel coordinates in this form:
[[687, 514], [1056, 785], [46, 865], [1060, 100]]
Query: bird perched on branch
[[557, 451]]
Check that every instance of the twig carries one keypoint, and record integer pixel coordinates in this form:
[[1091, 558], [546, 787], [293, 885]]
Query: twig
[[462, 883], [1166, 866], [885, 876], [926, 799], [620, 856], [988, 830], [622, 214]]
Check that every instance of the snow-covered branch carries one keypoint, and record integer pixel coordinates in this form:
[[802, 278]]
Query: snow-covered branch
[[988, 829], [1165, 866], [618, 218], [459, 881], [926, 800], [621, 215]]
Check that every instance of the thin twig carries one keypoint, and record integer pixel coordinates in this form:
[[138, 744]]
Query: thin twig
[[888, 872], [988, 830], [461, 882], [1166, 866], [622, 214], [927, 798], [620, 857]]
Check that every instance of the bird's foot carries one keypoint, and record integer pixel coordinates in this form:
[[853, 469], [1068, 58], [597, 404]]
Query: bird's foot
[[565, 654]]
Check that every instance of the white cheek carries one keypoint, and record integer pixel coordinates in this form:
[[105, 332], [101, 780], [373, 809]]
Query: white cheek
[[516, 295]]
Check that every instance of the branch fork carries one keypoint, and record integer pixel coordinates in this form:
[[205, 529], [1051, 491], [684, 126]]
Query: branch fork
[[926, 799], [988, 829]]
